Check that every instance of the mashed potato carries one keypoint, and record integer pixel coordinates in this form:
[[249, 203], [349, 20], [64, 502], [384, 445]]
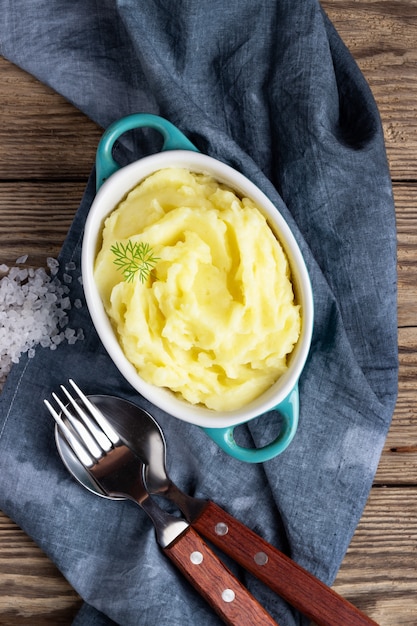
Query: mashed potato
[[216, 319]]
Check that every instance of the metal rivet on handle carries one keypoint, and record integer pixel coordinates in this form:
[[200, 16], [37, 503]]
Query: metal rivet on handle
[[196, 558], [260, 558], [228, 595], [221, 529]]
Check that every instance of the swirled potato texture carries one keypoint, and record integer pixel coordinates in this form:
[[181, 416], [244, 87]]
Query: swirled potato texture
[[216, 318]]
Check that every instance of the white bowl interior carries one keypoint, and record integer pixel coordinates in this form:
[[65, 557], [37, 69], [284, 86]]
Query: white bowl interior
[[106, 200]]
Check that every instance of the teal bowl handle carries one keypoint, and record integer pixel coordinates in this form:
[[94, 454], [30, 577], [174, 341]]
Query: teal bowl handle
[[289, 410], [173, 140]]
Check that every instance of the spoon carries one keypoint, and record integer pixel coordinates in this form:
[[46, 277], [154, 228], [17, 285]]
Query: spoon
[[119, 472], [142, 434]]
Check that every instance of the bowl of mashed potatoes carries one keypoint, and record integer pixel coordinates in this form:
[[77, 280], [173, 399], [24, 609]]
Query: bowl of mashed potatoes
[[197, 289]]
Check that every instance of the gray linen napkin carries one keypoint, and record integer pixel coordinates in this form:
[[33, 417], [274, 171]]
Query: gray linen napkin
[[269, 88]]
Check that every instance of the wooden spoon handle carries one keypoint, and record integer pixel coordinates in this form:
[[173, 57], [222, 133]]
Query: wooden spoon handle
[[215, 582], [289, 580]]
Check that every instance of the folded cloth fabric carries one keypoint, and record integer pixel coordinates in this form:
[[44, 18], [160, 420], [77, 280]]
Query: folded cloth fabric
[[270, 89]]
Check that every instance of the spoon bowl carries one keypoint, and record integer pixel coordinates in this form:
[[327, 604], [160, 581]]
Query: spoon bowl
[[143, 442], [142, 434]]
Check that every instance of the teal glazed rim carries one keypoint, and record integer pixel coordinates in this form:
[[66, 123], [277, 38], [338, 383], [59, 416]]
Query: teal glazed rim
[[113, 182]]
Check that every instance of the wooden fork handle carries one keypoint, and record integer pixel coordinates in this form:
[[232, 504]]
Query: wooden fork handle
[[294, 584], [215, 582]]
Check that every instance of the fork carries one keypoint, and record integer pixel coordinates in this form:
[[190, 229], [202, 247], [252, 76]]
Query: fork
[[120, 473]]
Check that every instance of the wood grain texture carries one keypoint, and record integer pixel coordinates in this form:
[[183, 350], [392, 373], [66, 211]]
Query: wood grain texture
[[42, 136], [406, 213], [51, 208], [381, 35], [47, 149], [378, 574], [398, 464], [32, 590]]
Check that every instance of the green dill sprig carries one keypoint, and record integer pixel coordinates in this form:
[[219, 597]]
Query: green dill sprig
[[134, 258]]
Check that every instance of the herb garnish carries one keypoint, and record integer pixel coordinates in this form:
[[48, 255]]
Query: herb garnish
[[134, 258]]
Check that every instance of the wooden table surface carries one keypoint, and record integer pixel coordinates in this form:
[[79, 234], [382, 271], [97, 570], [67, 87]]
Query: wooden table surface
[[46, 152]]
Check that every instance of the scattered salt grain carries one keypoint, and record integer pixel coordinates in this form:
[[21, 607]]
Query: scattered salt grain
[[22, 259], [52, 262], [70, 266], [53, 265], [34, 307]]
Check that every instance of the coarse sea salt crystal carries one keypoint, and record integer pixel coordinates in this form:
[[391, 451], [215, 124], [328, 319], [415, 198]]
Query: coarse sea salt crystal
[[34, 307], [53, 265], [22, 259]]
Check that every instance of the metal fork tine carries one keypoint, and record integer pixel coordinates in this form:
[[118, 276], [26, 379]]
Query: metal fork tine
[[98, 416], [98, 434], [77, 447], [89, 442]]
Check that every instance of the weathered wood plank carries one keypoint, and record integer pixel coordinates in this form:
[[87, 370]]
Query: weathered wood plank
[[32, 590], [379, 572], [398, 463], [382, 35], [35, 218], [405, 196], [42, 136]]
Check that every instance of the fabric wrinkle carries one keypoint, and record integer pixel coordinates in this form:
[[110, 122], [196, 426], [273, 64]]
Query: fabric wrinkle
[[273, 92]]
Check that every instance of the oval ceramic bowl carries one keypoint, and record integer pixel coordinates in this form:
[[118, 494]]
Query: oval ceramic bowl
[[113, 184]]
